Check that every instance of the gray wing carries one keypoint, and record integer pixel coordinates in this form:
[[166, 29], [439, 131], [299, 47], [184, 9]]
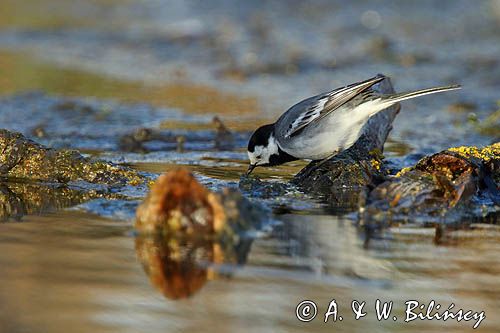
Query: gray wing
[[317, 107]]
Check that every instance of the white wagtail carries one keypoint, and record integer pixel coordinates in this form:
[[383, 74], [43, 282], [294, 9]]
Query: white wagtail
[[324, 125]]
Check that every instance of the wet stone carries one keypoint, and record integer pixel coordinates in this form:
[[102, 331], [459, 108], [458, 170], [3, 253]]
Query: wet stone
[[21, 158], [137, 141], [179, 205], [450, 185], [134, 142], [254, 187], [490, 126]]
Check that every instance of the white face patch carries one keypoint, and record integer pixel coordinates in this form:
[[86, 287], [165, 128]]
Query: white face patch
[[262, 154]]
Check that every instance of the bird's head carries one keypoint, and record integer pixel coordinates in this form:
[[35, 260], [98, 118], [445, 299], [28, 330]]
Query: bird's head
[[263, 149]]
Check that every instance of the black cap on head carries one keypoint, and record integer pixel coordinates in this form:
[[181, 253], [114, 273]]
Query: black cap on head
[[260, 137]]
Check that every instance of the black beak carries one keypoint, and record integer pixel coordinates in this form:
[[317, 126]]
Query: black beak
[[250, 168]]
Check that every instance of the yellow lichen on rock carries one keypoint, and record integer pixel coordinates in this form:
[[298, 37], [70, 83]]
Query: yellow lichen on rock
[[376, 164], [486, 154], [403, 171]]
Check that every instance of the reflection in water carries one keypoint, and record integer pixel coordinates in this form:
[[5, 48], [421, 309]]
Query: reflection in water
[[18, 199], [180, 267], [83, 271]]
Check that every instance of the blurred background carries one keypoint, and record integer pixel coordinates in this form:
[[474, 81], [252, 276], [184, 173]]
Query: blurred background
[[86, 74], [255, 59]]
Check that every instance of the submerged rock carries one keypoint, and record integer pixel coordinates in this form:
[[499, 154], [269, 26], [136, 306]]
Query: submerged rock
[[254, 187], [179, 204], [21, 158], [170, 139], [463, 181], [358, 166], [134, 142]]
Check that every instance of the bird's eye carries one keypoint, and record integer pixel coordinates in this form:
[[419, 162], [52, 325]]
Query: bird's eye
[[258, 157]]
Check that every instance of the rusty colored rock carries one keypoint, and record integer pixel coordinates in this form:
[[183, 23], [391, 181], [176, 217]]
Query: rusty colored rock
[[438, 184], [178, 203]]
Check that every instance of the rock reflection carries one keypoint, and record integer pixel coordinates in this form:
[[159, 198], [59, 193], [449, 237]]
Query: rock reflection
[[179, 267], [20, 199]]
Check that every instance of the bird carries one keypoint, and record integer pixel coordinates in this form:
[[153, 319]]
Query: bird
[[324, 125]]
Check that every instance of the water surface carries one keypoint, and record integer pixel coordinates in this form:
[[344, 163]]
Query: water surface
[[92, 72]]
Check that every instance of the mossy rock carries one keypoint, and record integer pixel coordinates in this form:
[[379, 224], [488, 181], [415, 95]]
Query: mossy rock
[[21, 158]]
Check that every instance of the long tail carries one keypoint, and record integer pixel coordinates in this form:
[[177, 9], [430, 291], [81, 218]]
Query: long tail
[[382, 102], [395, 98]]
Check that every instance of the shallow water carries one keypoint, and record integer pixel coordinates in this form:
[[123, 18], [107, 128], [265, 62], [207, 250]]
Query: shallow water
[[90, 73], [70, 269]]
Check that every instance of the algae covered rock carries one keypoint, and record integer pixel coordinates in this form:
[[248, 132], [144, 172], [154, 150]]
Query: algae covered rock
[[21, 158], [354, 168], [463, 180]]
